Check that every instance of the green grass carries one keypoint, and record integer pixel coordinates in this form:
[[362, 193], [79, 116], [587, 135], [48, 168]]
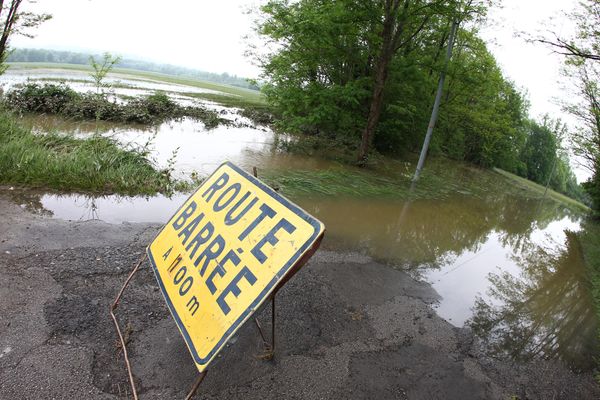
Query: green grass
[[249, 95], [534, 187], [93, 165]]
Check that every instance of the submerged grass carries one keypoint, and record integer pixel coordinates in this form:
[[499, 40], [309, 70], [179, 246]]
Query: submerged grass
[[393, 179], [525, 183], [248, 94], [95, 164]]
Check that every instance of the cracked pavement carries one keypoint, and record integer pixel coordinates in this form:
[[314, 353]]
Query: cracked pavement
[[347, 327]]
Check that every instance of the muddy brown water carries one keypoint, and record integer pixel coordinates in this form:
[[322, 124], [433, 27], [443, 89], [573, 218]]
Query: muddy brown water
[[505, 265]]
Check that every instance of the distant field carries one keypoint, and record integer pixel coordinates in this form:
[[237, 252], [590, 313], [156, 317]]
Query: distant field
[[248, 95], [527, 184]]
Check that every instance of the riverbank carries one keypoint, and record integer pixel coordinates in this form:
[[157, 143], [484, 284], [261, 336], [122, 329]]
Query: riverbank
[[348, 327], [95, 164]]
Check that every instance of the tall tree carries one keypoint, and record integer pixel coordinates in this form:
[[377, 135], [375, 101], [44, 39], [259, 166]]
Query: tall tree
[[325, 56], [15, 21], [582, 59], [403, 20]]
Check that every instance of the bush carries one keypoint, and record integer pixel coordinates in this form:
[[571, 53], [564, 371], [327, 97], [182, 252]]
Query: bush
[[62, 100], [47, 98]]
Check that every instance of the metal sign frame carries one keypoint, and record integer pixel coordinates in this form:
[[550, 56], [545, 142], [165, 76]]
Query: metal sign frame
[[298, 259], [281, 275]]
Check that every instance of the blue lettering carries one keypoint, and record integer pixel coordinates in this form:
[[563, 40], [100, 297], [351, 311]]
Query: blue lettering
[[200, 238], [210, 253], [229, 219], [271, 239], [178, 223], [234, 289], [220, 269], [218, 185], [265, 211], [189, 229]]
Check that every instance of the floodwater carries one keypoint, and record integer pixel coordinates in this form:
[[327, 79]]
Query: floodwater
[[507, 265]]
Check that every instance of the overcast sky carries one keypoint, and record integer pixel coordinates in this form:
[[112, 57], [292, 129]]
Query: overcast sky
[[209, 35]]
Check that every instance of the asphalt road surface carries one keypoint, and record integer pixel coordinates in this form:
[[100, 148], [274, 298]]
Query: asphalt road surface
[[347, 328]]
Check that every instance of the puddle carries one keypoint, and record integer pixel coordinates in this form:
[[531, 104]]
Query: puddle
[[506, 264]]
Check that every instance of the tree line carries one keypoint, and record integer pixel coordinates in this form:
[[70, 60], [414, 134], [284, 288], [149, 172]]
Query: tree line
[[69, 57], [367, 72]]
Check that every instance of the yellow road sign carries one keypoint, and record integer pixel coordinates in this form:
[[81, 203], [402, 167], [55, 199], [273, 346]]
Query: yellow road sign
[[224, 252]]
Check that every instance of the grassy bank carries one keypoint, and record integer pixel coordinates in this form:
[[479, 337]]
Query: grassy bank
[[96, 164], [532, 186]]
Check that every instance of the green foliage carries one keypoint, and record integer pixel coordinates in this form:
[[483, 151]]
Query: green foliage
[[320, 76], [96, 164], [582, 61], [320, 80], [62, 100], [592, 187], [101, 69], [49, 98], [539, 154], [482, 115]]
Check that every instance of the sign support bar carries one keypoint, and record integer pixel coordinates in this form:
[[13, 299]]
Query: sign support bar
[[113, 307], [269, 348]]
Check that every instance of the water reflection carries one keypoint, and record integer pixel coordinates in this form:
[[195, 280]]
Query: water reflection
[[545, 310], [535, 302], [505, 261]]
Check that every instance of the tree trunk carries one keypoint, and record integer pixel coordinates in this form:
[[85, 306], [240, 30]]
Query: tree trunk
[[8, 25], [374, 110], [390, 37]]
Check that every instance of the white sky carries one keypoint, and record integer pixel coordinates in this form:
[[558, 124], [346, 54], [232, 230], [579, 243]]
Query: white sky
[[209, 35], [532, 67], [201, 34]]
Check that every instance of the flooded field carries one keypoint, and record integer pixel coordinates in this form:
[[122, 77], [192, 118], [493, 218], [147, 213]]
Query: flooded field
[[505, 264]]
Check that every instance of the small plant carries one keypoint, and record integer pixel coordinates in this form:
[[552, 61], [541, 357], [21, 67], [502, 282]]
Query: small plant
[[101, 69]]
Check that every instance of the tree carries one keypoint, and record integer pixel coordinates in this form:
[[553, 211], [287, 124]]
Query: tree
[[400, 26], [540, 153], [586, 43], [101, 69], [582, 59], [321, 77], [14, 21]]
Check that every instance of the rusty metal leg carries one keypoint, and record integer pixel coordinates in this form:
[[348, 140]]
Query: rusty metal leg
[[273, 326], [113, 307], [260, 331], [269, 351], [196, 385]]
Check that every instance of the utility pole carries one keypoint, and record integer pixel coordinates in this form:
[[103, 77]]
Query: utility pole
[[436, 104]]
